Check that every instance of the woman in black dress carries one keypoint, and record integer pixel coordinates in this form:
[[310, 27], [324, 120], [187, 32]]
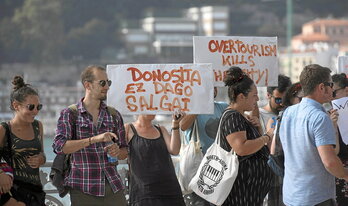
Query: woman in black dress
[[341, 90], [152, 176], [242, 133]]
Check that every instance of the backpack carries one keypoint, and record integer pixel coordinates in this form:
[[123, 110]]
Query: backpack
[[61, 163]]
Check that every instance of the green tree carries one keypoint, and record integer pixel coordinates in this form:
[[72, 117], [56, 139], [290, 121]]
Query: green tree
[[89, 41], [41, 29]]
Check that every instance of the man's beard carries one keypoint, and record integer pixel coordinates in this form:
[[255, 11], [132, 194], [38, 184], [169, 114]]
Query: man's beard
[[103, 98], [274, 110]]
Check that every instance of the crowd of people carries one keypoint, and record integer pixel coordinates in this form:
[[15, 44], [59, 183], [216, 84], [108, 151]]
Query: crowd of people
[[95, 137]]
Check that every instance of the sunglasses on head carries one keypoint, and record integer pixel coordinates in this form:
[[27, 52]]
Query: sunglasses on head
[[31, 107], [330, 84], [102, 83], [277, 100]]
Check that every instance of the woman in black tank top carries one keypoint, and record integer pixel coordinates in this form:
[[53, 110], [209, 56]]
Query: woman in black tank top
[[21, 146], [152, 176]]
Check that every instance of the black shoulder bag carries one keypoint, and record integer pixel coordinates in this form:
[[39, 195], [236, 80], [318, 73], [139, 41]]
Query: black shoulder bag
[[276, 160]]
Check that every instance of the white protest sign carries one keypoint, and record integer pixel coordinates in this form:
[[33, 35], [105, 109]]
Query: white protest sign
[[342, 64], [342, 107], [161, 88], [257, 56]]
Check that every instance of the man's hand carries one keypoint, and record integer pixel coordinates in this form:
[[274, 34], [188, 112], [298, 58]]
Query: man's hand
[[112, 149], [5, 183], [105, 137]]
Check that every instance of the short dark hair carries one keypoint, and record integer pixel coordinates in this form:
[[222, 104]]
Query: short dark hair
[[283, 83], [20, 91], [313, 75], [88, 73], [290, 93], [340, 79], [237, 82]]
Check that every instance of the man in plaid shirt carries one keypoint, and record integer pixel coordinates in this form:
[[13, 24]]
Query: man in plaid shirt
[[87, 134]]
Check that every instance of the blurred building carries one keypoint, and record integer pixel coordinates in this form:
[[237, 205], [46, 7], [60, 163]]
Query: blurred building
[[54, 99], [299, 59], [333, 32], [320, 42], [171, 37]]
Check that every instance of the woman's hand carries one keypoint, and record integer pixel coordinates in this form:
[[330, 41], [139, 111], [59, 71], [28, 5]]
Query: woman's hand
[[334, 116], [5, 182], [177, 117], [35, 161], [254, 121]]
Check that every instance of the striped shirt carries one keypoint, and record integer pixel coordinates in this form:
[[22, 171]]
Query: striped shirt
[[89, 168]]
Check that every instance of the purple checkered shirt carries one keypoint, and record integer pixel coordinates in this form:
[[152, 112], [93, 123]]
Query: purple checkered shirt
[[89, 168]]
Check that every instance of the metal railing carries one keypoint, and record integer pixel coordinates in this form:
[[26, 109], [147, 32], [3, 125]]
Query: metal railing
[[52, 195]]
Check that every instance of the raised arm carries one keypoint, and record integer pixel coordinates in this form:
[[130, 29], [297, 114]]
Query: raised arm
[[187, 121], [172, 140]]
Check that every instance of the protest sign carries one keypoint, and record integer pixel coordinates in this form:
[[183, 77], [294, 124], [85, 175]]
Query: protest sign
[[342, 64], [342, 107], [161, 88], [257, 56]]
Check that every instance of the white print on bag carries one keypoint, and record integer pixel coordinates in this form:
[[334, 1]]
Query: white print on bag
[[211, 174]]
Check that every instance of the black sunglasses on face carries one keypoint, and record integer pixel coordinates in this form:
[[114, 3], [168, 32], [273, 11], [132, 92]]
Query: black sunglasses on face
[[102, 83], [277, 100], [330, 84], [334, 92], [31, 107]]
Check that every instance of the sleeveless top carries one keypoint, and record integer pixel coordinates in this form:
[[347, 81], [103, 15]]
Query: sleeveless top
[[152, 173], [20, 150]]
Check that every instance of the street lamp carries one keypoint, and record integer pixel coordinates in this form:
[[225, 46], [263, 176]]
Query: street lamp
[[289, 11]]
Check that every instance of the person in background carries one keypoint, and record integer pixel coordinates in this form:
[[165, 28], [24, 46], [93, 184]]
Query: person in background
[[88, 136], [308, 138], [25, 154], [340, 89], [293, 95], [275, 97], [153, 180], [207, 127], [243, 134]]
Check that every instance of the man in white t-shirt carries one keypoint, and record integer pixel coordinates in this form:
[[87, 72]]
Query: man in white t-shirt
[[274, 96]]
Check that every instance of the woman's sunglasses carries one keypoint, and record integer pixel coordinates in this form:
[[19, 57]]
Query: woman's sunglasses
[[334, 93], [31, 107], [102, 83]]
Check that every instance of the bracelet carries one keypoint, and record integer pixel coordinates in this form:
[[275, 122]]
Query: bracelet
[[174, 128], [269, 137], [89, 139]]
